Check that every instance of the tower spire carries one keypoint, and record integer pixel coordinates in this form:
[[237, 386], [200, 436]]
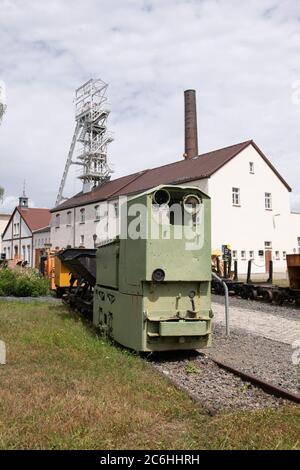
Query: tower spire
[[23, 200]]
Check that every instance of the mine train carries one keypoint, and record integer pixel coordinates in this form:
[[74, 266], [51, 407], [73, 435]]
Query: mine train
[[267, 290], [148, 293]]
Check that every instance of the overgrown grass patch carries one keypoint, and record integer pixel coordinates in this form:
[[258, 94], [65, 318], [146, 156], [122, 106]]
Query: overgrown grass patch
[[63, 387], [22, 282]]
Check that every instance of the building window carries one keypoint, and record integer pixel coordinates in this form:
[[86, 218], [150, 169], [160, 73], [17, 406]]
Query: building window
[[243, 254], [284, 255], [57, 221], [69, 217], [251, 254], [82, 216], [28, 254], [16, 229], [16, 251], [277, 255], [97, 212], [251, 167], [81, 239], [236, 198], [268, 201], [23, 252], [268, 245], [116, 209], [8, 252], [234, 254]]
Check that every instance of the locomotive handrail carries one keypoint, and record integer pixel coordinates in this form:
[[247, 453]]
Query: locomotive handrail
[[226, 302]]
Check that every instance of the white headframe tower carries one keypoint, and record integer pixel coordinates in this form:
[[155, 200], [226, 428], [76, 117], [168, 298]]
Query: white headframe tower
[[90, 137]]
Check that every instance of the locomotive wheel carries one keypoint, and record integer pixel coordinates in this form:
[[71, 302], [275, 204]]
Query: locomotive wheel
[[267, 295]]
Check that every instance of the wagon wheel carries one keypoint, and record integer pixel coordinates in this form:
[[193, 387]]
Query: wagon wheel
[[297, 301], [278, 298], [267, 295], [244, 293], [253, 294]]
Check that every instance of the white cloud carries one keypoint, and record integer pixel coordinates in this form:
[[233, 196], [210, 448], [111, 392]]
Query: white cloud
[[242, 57]]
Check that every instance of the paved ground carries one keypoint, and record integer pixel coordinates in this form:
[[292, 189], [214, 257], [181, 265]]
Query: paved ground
[[258, 320]]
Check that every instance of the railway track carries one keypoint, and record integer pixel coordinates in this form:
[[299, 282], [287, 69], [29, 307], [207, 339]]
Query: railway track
[[267, 387], [218, 385]]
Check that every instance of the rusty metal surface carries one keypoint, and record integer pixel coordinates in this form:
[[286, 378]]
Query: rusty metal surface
[[266, 386], [190, 124]]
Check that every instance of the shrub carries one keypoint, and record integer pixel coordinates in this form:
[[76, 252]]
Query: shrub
[[22, 282]]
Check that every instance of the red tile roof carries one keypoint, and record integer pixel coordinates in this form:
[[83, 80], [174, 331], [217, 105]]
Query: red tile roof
[[182, 171], [35, 218]]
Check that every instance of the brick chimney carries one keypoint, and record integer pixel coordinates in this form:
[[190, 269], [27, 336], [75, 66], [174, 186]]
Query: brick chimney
[[190, 125]]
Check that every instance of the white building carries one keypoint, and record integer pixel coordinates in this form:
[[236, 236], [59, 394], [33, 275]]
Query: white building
[[250, 205], [26, 232], [4, 218]]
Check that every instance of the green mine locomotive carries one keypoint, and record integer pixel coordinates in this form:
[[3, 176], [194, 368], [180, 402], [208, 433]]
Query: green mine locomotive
[[152, 287], [149, 288]]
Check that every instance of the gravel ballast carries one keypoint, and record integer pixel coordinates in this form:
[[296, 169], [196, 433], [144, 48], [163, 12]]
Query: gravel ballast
[[216, 389], [219, 390]]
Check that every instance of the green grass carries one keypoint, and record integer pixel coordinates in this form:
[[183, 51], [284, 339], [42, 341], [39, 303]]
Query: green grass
[[65, 388]]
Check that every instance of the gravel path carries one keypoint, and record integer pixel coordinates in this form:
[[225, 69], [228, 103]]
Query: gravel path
[[216, 389], [251, 349], [264, 358]]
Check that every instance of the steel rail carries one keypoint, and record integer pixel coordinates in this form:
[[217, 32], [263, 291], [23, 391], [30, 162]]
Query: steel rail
[[264, 385]]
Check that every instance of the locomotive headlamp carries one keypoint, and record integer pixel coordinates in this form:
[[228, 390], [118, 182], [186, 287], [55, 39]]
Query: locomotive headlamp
[[158, 275], [161, 196], [191, 203]]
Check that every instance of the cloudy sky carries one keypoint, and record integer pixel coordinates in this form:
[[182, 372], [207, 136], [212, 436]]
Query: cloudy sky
[[242, 57]]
